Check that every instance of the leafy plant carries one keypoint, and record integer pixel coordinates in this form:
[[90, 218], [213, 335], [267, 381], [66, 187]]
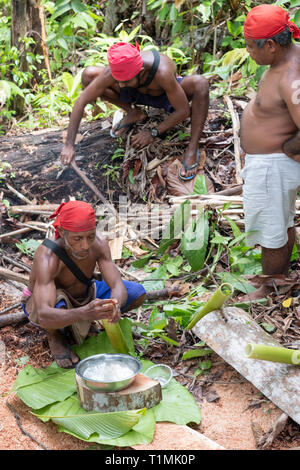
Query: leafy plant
[[28, 247]]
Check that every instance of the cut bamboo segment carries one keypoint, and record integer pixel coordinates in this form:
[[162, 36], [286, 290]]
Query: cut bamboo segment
[[272, 353]]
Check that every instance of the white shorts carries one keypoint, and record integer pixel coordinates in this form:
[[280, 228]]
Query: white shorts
[[271, 183]]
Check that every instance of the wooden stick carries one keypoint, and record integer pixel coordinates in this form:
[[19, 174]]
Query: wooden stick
[[90, 184], [39, 229], [8, 274], [11, 318], [34, 208], [20, 195], [15, 232], [7, 309], [12, 261], [236, 139]]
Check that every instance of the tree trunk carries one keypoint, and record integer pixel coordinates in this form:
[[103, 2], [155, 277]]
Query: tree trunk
[[28, 21], [111, 17]]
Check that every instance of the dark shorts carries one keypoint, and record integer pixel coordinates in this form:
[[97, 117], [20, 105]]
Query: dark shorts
[[132, 95]]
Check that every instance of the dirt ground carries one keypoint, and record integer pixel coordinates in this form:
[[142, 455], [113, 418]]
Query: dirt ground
[[234, 413]]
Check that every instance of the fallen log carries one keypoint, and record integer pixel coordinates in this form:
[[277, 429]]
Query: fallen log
[[11, 318], [12, 276], [227, 332]]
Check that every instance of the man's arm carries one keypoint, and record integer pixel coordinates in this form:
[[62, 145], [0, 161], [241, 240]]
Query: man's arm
[[44, 296], [292, 146], [177, 97], [93, 91]]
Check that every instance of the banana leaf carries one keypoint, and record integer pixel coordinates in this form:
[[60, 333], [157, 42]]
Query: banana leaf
[[177, 406], [90, 425], [141, 433], [54, 387]]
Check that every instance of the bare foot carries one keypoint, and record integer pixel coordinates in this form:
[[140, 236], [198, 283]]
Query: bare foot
[[61, 350], [134, 115]]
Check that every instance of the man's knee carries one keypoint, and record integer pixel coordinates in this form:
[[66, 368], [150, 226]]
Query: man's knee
[[201, 86], [196, 86], [89, 74]]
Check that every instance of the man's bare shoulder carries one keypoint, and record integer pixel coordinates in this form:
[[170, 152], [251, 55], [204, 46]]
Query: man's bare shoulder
[[289, 78], [102, 81], [45, 261], [101, 248]]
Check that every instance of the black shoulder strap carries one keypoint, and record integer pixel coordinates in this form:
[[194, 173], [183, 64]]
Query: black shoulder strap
[[62, 254], [153, 69]]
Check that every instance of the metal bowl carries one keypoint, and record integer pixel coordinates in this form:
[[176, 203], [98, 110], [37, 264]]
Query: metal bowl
[[108, 362]]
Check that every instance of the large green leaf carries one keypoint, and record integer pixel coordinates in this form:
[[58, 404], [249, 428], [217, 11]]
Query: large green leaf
[[141, 433], [29, 375], [194, 242], [158, 276], [175, 227], [237, 282], [177, 406], [53, 388], [91, 425], [200, 185]]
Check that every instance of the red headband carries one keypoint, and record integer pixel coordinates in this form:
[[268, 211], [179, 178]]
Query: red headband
[[265, 21], [125, 61], [75, 216]]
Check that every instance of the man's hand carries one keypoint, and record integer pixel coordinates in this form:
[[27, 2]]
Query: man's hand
[[141, 139], [67, 154], [100, 309]]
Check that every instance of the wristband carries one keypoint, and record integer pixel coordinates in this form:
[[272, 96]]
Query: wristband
[[26, 292]]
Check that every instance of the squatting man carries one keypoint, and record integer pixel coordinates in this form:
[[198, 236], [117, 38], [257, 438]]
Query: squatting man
[[145, 78], [55, 298]]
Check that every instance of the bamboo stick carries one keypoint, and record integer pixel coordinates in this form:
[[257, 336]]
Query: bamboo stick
[[272, 353]]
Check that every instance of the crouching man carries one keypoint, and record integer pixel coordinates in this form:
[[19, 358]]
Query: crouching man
[[60, 294]]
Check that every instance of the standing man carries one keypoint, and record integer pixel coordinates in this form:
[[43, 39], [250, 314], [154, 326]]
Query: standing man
[[271, 139], [58, 296], [147, 78]]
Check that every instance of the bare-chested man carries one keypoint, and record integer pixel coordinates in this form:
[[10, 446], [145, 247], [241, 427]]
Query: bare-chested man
[[146, 78], [56, 298], [271, 139]]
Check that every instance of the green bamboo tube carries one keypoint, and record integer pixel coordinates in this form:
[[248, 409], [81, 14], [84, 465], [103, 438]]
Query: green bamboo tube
[[116, 337], [215, 302], [272, 353]]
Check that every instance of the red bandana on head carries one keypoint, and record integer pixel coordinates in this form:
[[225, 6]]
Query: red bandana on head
[[265, 21], [75, 216], [125, 61]]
